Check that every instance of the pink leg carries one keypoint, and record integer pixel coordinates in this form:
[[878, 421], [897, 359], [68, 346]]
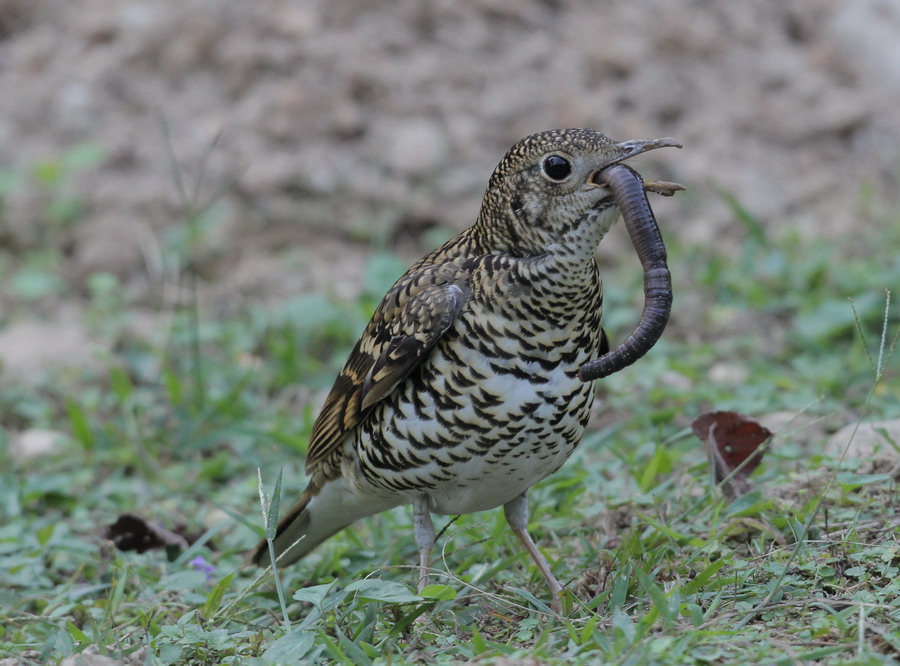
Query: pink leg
[[423, 529], [517, 516]]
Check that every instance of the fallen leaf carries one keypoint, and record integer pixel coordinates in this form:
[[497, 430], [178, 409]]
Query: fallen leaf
[[732, 443], [131, 532]]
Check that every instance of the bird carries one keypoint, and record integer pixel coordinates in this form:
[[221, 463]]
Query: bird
[[463, 391]]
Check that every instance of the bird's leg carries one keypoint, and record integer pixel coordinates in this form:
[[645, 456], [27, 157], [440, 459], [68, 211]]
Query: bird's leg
[[424, 533], [516, 511]]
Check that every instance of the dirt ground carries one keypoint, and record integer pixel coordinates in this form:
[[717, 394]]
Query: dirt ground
[[320, 129]]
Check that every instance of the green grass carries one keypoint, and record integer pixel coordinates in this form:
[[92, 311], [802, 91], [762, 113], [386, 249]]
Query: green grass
[[659, 566]]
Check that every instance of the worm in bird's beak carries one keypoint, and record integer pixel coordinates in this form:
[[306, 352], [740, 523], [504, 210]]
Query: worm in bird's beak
[[629, 191]]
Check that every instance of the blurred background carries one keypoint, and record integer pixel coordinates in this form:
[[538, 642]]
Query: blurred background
[[270, 148]]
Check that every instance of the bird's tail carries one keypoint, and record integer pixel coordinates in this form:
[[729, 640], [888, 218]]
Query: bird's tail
[[319, 514]]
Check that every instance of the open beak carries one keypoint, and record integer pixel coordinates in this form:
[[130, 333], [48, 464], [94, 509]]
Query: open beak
[[628, 149]]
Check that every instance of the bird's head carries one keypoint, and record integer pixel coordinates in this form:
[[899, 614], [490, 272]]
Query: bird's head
[[546, 194]]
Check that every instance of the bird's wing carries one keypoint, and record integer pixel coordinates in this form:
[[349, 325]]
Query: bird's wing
[[410, 320]]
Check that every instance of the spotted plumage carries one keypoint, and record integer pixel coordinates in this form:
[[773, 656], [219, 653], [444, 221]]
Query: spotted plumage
[[463, 390]]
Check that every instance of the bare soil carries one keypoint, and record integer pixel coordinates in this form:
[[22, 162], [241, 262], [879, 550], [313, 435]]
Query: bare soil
[[320, 129]]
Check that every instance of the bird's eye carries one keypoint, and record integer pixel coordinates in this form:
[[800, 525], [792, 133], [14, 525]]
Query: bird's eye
[[557, 167]]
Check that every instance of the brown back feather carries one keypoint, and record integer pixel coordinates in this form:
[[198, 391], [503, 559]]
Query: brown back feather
[[407, 324]]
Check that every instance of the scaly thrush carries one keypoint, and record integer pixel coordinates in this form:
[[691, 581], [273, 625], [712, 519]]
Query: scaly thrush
[[464, 389]]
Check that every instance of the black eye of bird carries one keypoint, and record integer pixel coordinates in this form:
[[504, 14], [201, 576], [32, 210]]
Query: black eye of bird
[[556, 167]]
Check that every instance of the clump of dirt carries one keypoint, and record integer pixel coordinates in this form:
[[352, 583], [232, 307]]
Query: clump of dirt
[[318, 129]]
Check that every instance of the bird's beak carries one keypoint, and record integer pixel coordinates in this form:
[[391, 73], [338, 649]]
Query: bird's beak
[[628, 149]]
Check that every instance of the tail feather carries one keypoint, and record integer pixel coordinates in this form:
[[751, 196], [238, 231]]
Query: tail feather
[[319, 514]]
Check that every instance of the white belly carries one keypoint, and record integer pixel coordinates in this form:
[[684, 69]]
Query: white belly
[[514, 461], [485, 444]]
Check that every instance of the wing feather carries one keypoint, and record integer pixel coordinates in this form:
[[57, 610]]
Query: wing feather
[[410, 320]]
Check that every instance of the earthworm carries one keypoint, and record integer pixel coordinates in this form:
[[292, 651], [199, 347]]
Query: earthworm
[[628, 189]]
